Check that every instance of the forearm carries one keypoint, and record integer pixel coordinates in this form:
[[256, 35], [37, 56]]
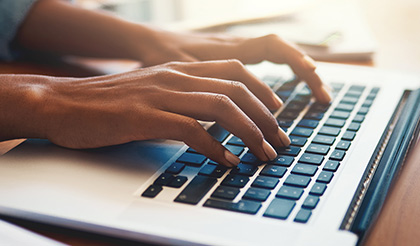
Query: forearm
[[59, 27], [22, 98]]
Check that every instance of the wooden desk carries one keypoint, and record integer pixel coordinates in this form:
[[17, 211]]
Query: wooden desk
[[395, 25]]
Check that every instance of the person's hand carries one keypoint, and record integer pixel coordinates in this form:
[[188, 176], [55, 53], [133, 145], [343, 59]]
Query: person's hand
[[158, 46], [161, 102]]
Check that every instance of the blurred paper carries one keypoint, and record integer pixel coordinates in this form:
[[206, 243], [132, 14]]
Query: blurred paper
[[13, 235], [329, 31]]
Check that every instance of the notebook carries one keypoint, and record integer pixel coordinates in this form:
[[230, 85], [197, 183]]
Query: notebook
[[326, 188]]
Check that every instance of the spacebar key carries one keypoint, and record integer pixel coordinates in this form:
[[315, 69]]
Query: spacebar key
[[196, 189], [244, 206]]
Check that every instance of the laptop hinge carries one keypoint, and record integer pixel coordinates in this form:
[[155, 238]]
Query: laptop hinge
[[399, 137]]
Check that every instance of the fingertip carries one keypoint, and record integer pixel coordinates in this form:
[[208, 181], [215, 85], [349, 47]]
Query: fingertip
[[269, 150], [232, 159], [277, 102], [284, 139]]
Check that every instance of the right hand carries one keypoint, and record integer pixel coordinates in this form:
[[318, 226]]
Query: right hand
[[164, 102]]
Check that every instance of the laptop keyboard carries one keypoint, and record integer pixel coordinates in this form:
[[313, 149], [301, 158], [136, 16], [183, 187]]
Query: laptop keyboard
[[300, 175]]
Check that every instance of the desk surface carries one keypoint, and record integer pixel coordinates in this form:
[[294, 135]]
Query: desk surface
[[395, 26]]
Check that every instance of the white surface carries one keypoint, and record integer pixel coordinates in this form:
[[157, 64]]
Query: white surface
[[13, 235]]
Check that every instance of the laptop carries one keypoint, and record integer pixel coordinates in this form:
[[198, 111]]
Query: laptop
[[326, 188]]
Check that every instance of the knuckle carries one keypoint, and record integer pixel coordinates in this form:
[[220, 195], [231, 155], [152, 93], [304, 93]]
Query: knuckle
[[236, 64], [189, 127], [238, 88], [221, 102]]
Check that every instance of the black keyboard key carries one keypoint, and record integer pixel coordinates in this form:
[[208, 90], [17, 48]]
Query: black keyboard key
[[236, 141], [343, 145], [295, 106], [359, 118], [303, 215], [178, 181], [235, 180], [337, 155], [251, 159], [318, 149], [280, 208], [284, 95], [330, 131], [331, 166], [345, 107], [226, 192], [152, 191], [196, 189], [310, 202], [191, 150], [288, 114], [305, 169], [363, 110], [286, 123], [297, 180], [192, 159], [301, 131], [244, 169], [297, 141], [311, 159], [215, 171], [340, 114], [336, 86], [256, 194], [325, 177], [236, 150], [283, 160], [319, 107], [323, 139], [349, 100], [359, 88], [218, 132], [265, 182], [353, 94], [289, 150], [374, 90], [335, 122], [243, 206], [314, 115], [354, 126], [273, 171], [290, 192], [308, 123], [164, 179], [367, 103], [348, 135], [175, 168], [318, 189]]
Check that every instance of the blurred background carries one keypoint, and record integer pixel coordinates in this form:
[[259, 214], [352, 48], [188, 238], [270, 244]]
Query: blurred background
[[384, 33]]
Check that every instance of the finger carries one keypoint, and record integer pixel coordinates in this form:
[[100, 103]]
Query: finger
[[275, 49], [156, 58], [246, 101], [183, 128], [219, 108], [234, 70]]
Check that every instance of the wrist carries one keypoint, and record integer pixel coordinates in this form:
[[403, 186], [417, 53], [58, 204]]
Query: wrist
[[23, 101]]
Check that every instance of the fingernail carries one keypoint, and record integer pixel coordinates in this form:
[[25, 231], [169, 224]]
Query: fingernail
[[231, 158], [283, 137], [309, 62], [269, 151], [277, 101]]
